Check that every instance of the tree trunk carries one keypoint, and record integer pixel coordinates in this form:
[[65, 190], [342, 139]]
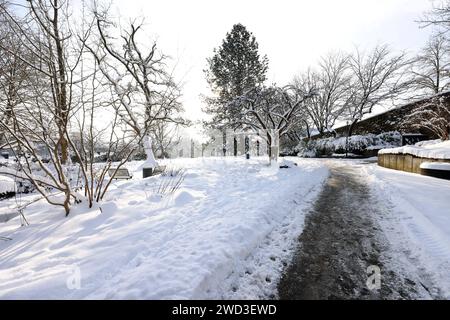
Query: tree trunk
[[224, 143], [67, 203], [247, 147], [308, 133], [64, 145], [352, 127]]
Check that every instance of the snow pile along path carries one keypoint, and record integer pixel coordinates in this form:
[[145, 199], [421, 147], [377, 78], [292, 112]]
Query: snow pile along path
[[141, 246], [417, 221]]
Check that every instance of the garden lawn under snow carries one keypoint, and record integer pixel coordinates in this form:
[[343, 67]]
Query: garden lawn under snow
[[196, 243]]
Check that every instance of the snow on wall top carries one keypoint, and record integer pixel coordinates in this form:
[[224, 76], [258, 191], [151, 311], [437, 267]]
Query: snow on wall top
[[435, 149]]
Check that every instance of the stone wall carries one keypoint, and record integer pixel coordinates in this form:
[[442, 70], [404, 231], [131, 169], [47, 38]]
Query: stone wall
[[404, 162]]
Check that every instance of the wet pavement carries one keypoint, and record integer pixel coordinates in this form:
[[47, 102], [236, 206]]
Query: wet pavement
[[342, 247]]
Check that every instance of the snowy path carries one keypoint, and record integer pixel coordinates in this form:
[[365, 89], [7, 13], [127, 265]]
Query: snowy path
[[347, 231]]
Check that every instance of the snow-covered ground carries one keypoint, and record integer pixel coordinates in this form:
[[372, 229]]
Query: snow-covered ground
[[417, 221], [226, 233]]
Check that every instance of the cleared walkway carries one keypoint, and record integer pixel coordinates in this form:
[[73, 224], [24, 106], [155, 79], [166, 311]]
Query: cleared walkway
[[340, 241]]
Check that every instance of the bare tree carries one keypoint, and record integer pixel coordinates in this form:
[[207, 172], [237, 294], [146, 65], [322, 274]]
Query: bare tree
[[432, 115], [14, 74], [272, 110], [57, 97], [377, 76], [95, 98], [439, 15], [331, 85], [43, 36], [431, 68], [53, 114], [166, 137], [146, 93]]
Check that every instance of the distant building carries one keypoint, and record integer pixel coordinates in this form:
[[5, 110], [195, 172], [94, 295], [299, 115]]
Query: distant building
[[392, 120]]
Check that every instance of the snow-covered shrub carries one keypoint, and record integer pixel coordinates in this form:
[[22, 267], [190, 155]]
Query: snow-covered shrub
[[289, 150], [309, 149], [393, 138], [356, 144]]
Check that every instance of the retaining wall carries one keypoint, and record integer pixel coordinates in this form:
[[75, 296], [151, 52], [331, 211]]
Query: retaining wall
[[404, 162]]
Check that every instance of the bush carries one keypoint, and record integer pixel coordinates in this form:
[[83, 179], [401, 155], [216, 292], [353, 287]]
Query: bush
[[357, 144]]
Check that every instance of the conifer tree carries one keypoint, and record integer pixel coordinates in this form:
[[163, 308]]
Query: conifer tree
[[235, 68]]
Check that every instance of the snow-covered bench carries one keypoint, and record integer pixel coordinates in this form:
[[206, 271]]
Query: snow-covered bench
[[122, 173], [436, 169]]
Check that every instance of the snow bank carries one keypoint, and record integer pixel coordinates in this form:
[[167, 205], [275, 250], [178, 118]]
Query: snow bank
[[433, 150], [419, 219], [7, 184], [138, 245]]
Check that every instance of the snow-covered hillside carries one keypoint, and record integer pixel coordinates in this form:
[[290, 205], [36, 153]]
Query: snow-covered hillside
[[138, 245]]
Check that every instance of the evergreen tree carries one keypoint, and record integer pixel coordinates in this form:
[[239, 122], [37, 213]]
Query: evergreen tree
[[235, 68]]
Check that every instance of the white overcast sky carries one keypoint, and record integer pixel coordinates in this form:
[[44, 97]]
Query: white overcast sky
[[293, 34]]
